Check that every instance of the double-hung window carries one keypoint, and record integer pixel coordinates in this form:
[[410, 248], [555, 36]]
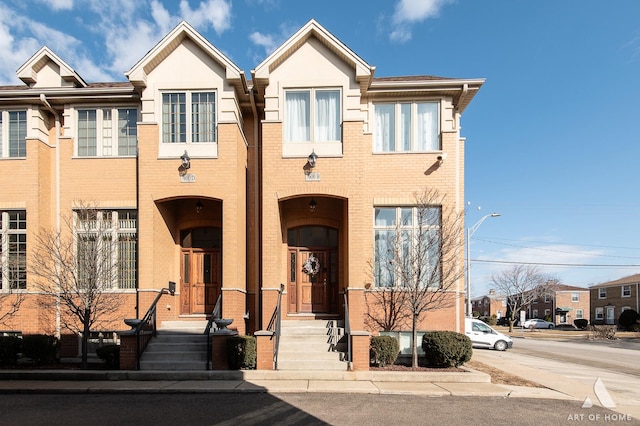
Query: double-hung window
[[575, 297], [407, 246], [406, 127], [106, 245], [312, 115], [13, 134], [626, 291], [107, 132], [602, 293], [189, 117], [13, 249]]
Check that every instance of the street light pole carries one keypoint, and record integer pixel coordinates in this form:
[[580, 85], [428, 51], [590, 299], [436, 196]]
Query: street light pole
[[470, 231]]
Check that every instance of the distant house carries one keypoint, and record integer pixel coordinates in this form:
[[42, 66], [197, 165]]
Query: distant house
[[490, 304], [561, 304], [610, 299]]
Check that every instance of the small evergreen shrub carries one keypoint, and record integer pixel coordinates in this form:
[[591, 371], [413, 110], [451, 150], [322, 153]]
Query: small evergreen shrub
[[40, 348], [110, 354], [628, 319], [446, 348], [242, 352], [9, 350], [383, 350], [581, 323]]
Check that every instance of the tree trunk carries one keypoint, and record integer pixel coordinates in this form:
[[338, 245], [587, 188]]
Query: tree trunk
[[414, 340], [85, 338]]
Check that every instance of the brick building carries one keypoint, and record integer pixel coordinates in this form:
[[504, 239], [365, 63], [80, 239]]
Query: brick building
[[610, 299], [227, 185], [489, 304], [561, 304]]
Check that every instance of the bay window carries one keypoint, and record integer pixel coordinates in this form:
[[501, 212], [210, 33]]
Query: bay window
[[107, 132], [406, 127], [13, 134]]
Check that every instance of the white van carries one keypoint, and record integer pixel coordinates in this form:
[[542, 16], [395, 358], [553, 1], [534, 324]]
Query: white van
[[483, 336]]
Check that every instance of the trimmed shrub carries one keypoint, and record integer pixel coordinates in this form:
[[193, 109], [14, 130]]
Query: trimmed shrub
[[9, 350], [383, 350], [40, 348], [241, 352], [110, 354], [628, 319], [581, 323], [446, 348]]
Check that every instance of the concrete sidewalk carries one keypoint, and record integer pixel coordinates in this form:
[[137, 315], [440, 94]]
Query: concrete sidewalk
[[469, 383]]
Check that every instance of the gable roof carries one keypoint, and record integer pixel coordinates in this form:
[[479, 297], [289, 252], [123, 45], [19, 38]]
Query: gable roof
[[137, 75], [28, 72], [363, 71], [631, 279]]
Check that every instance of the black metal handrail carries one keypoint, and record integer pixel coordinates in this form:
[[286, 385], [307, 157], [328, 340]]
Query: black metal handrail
[[215, 314], [347, 327], [147, 327], [275, 326]]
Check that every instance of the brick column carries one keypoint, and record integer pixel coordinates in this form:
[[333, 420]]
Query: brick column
[[264, 347], [360, 350], [219, 356], [128, 347]]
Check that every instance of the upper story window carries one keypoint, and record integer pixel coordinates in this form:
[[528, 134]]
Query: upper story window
[[547, 298], [602, 293], [197, 126], [575, 297], [312, 115], [107, 132], [406, 127], [13, 249], [13, 134], [626, 291]]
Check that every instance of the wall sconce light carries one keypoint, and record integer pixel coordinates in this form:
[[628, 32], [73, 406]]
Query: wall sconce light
[[441, 158], [186, 160], [312, 159], [199, 206], [312, 205]]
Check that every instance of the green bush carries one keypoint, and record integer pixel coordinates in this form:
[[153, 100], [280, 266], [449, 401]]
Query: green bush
[[383, 350], [446, 348], [40, 348], [628, 319], [9, 350], [241, 352], [110, 354], [581, 323]]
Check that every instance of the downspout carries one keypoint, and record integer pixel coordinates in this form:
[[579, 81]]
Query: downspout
[[56, 115], [257, 208]]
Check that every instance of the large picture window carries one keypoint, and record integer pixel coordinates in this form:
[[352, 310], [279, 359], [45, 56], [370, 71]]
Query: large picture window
[[406, 245], [106, 248], [107, 132], [198, 126], [312, 115], [13, 134], [13, 250], [406, 127]]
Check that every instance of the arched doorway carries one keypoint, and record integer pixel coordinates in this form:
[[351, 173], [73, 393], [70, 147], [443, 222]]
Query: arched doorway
[[313, 269], [200, 267]]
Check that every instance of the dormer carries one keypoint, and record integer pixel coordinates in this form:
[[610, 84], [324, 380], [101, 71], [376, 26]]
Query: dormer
[[46, 70]]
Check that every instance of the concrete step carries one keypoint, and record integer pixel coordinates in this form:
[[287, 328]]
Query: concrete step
[[179, 338], [176, 347], [174, 365], [311, 365], [195, 356]]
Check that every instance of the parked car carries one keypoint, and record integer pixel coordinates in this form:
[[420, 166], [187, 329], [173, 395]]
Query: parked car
[[483, 336], [538, 323]]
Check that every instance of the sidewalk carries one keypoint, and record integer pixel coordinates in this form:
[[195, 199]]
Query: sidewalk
[[470, 383]]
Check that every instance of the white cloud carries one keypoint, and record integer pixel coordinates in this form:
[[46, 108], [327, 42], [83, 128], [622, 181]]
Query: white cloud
[[216, 13], [265, 41], [58, 4], [409, 12]]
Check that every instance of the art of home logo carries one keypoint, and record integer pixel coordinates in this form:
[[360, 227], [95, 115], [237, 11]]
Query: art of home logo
[[600, 390]]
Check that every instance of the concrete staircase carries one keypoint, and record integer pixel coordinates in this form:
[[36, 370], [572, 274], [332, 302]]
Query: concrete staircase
[[317, 345], [179, 346]]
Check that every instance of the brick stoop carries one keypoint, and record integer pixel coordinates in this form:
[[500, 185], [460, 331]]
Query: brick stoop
[[179, 346], [311, 345]]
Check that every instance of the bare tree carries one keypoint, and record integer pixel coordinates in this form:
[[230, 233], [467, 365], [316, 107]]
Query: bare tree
[[76, 271], [12, 274], [520, 285], [419, 262]]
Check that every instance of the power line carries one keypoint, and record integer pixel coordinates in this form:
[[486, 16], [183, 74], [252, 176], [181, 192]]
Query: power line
[[558, 251], [555, 264], [547, 242]]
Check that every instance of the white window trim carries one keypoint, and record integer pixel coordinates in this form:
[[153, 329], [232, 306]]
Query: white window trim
[[602, 293], [579, 314], [302, 149], [622, 291], [4, 241], [599, 313], [194, 149], [397, 116], [577, 298], [4, 131], [99, 127]]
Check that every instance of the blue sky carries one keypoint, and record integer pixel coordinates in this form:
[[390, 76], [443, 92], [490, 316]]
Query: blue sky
[[553, 137]]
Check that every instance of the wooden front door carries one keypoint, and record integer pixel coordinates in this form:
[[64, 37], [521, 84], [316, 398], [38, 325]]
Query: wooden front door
[[200, 284], [312, 288]]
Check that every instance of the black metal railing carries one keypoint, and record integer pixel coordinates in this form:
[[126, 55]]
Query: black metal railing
[[215, 314], [347, 327], [275, 326], [147, 327]]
